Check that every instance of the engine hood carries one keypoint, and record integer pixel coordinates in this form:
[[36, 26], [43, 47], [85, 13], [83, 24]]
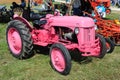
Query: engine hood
[[71, 21]]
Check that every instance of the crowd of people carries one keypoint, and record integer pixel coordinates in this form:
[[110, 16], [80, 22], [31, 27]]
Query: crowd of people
[[22, 4], [75, 6]]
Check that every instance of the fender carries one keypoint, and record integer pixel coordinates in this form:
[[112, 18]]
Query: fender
[[71, 21], [24, 21]]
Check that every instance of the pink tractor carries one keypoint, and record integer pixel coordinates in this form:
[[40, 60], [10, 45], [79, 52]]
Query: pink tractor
[[60, 33]]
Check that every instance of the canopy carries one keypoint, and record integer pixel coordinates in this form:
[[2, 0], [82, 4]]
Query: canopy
[[63, 1], [102, 0], [39, 1]]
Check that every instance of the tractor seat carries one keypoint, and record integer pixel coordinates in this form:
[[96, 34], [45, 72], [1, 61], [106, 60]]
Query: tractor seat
[[36, 16], [37, 23]]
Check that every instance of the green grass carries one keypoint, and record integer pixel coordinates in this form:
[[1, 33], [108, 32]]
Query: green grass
[[38, 67], [114, 15]]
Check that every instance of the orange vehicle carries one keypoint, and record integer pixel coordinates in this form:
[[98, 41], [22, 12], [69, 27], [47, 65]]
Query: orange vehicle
[[105, 2], [39, 1], [97, 2], [108, 28]]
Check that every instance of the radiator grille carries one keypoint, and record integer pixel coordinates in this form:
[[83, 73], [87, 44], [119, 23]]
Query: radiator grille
[[87, 32]]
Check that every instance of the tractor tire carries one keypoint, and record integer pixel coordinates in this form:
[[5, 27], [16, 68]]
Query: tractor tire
[[116, 43], [118, 3], [110, 45], [113, 3], [19, 40], [60, 59], [103, 49]]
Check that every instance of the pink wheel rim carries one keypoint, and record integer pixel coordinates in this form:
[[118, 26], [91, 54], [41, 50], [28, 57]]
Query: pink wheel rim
[[58, 60], [14, 41]]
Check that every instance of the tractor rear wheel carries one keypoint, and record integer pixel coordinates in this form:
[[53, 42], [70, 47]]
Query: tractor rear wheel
[[60, 59], [118, 3], [102, 44], [19, 40], [110, 45]]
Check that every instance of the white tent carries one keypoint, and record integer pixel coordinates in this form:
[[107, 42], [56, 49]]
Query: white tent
[[63, 1]]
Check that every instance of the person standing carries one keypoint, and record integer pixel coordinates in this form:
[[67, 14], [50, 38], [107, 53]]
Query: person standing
[[101, 10], [23, 4], [48, 4], [77, 7]]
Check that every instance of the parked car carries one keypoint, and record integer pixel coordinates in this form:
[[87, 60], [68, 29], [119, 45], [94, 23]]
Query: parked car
[[115, 3]]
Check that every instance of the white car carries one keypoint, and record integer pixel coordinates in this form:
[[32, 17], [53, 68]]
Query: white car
[[115, 2]]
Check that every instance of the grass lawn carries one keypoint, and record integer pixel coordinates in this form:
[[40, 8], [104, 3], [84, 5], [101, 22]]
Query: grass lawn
[[38, 67], [9, 1]]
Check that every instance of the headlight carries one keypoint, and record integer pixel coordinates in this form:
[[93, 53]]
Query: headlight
[[76, 30]]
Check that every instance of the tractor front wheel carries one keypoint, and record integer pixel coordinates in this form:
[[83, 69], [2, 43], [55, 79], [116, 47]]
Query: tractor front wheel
[[60, 59], [102, 44], [19, 40], [110, 45]]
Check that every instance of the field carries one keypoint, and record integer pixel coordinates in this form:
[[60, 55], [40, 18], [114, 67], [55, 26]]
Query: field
[[38, 67], [8, 1]]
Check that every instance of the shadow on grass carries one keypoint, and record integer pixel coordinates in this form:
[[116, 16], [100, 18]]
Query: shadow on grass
[[75, 55], [107, 19], [41, 50]]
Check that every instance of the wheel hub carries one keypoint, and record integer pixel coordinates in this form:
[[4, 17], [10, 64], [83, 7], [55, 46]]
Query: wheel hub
[[14, 41], [58, 60]]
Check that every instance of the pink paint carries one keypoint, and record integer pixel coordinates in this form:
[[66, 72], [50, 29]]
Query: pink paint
[[58, 59], [14, 41], [87, 44]]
